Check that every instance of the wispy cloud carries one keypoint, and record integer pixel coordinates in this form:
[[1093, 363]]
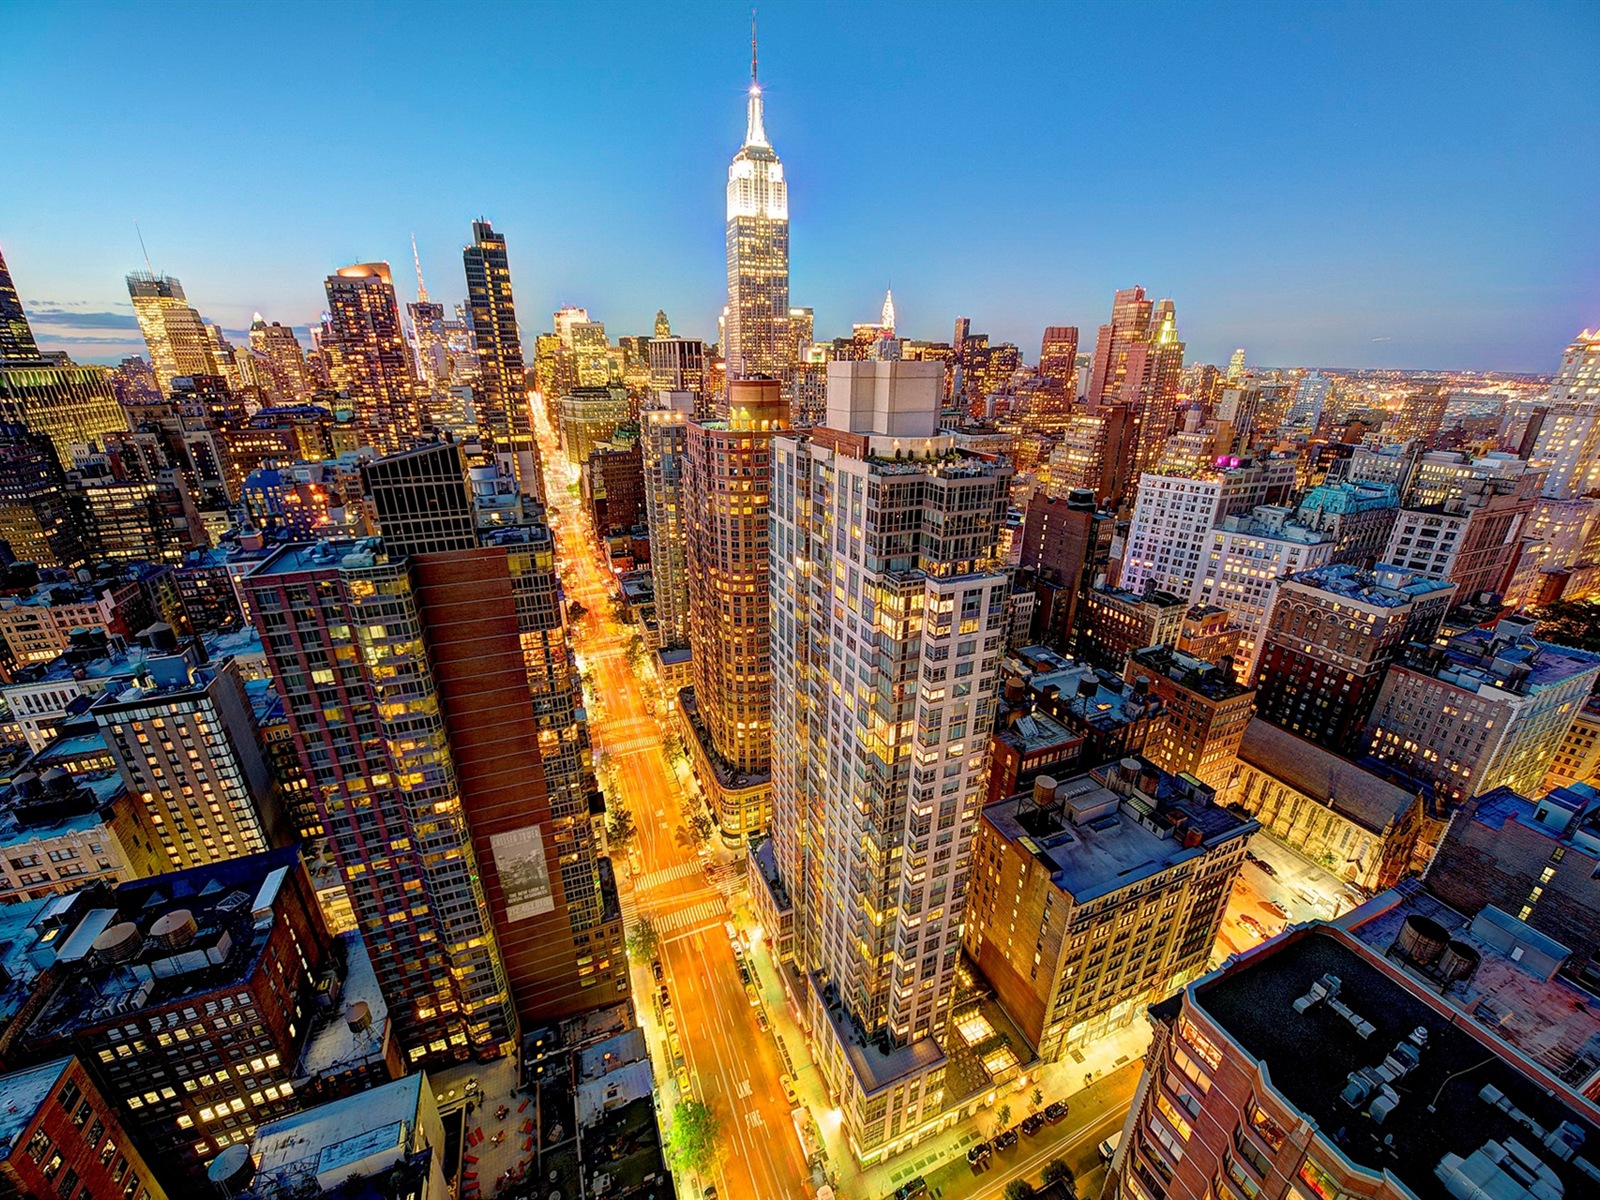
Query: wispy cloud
[[70, 318]]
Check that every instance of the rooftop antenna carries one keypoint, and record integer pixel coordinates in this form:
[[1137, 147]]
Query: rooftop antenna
[[142, 250], [422, 288], [753, 82]]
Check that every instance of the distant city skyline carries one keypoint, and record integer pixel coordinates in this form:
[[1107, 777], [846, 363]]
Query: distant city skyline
[[1361, 187]]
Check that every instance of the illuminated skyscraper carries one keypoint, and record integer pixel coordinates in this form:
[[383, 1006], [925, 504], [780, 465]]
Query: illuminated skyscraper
[[500, 400], [368, 357], [802, 332], [1569, 439], [16, 336], [592, 351], [1058, 356], [887, 320], [663, 327], [663, 436], [288, 378], [71, 405], [757, 341], [1236, 366], [877, 782], [1130, 325], [173, 331], [678, 364], [726, 487], [1150, 386]]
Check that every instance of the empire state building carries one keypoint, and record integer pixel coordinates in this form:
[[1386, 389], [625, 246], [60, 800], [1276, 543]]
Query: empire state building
[[758, 253]]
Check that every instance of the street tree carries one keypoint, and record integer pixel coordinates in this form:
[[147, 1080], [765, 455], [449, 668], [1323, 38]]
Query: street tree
[[1036, 1099], [1019, 1189], [643, 940], [620, 827], [1002, 1117], [695, 1143], [1057, 1171]]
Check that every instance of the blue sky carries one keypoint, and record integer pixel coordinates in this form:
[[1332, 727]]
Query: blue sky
[[1412, 185]]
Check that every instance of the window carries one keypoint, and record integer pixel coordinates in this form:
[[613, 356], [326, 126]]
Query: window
[[1266, 1128], [1252, 1154], [1317, 1178]]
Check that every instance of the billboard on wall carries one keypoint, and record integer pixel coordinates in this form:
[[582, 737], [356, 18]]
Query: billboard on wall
[[524, 877]]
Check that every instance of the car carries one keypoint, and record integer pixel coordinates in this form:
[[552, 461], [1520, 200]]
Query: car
[[1262, 865], [1276, 909], [787, 1084], [732, 932], [1108, 1148], [761, 1020], [1032, 1124], [752, 995], [978, 1154], [1055, 1111], [666, 997], [710, 1193], [657, 970], [1254, 926], [1005, 1139], [911, 1189]]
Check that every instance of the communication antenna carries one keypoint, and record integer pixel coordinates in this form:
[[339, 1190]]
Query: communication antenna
[[142, 250], [753, 46], [422, 288]]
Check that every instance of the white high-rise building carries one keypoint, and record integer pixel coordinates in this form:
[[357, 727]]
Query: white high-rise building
[[888, 627], [1569, 439], [756, 341], [1175, 514], [1244, 559]]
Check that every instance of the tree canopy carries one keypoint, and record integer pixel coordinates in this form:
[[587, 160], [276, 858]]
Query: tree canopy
[[695, 1143]]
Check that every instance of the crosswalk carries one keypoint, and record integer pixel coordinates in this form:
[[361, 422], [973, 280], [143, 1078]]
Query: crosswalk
[[686, 918], [655, 879]]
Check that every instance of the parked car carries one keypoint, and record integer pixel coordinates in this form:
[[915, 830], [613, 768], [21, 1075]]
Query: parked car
[[1055, 1111], [1108, 1148], [657, 971], [752, 995], [978, 1154], [1005, 1139], [1261, 864], [1254, 926], [787, 1084], [1276, 909], [761, 1019], [1032, 1124], [911, 1190]]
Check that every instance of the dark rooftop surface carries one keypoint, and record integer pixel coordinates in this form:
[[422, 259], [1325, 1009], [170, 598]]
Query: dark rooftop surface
[[1309, 1057]]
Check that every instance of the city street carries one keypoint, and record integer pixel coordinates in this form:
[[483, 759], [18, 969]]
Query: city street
[[1279, 887], [728, 1062]]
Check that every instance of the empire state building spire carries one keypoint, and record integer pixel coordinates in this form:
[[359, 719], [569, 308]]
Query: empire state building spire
[[756, 339], [754, 133]]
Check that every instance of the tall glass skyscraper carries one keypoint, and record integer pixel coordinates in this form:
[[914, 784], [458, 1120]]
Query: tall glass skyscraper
[[16, 335], [173, 330], [368, 356], [757, 341], [500, 398]]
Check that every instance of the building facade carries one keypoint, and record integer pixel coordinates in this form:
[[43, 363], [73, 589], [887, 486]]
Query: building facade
[[756, 345], [663, 436], [889, 609], [727, 488], [1488, 709], [1075, 947], [1331, 636]]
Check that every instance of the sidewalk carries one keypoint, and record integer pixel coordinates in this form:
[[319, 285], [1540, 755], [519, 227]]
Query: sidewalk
[[1064, 1080]]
